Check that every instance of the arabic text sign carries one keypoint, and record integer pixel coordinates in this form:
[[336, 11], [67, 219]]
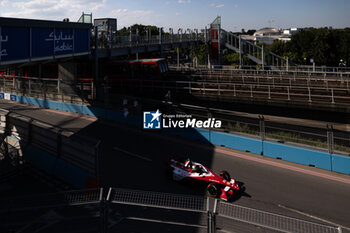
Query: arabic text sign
[[15, 42], [12, 43], [62, 39]]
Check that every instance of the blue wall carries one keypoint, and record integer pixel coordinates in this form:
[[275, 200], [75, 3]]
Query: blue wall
[[23, 41], [298, 155], [294, 154], [57, 167]]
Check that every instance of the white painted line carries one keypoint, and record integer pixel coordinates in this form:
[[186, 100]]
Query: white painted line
[[133, 154], [314, 217]]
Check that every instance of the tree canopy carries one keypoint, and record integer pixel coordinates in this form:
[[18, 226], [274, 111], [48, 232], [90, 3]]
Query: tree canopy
[[325, 46]]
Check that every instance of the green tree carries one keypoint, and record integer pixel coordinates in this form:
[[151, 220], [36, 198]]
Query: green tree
[[326, 46]]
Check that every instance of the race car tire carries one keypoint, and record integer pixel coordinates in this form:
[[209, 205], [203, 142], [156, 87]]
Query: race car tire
[[213, 190], [225, 175]]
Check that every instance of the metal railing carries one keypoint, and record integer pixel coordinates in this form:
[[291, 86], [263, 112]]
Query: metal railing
[[202, 213], [228, 90], [66, 198], [272, 221], [159, 200], [226, 72], [216, 209], [316, 137], [47, 88], [135, 40]]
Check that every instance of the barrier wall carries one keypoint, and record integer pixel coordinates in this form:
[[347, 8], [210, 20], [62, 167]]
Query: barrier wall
[[294, 154], [298, 155], [57, 167], [341, 164], [68, 156]]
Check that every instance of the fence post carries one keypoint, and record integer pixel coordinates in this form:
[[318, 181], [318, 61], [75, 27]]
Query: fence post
[[97, 160], [251, 91], [340, 230], [262, 127], [103, 213], [29, 88], [58, 87], [330, 139], [309, 89]]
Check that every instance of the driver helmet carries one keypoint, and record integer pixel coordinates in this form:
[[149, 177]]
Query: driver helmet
[[188, 163]]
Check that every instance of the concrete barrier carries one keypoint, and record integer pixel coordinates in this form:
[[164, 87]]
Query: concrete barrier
[[57, 167], [61, 153], [237, 142], [295, 154], [298, 155], [341, 164]]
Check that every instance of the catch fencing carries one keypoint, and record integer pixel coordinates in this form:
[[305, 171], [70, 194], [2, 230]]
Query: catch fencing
[[220, 216], [117, 207]]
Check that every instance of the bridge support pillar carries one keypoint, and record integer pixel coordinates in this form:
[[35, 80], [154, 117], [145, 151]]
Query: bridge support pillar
[[67, 75]]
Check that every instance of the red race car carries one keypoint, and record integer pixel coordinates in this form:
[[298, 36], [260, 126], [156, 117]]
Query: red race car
[[218, 185]]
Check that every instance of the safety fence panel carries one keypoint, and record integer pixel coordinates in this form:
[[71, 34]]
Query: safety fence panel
[[67, 198], [159, 200], [268, 220]]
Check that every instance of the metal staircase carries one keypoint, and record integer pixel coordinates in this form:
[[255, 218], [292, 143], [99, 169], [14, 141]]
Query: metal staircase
[[254, 52], [220, 38]]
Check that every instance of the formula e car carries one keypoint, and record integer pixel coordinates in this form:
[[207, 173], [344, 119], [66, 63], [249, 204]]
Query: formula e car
[[218, 185]]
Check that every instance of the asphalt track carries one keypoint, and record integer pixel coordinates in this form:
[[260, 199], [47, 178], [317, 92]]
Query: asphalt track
[[134, 158]]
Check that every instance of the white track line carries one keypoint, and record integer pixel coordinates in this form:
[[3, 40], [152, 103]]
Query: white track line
[[314, 217], [133, 154]]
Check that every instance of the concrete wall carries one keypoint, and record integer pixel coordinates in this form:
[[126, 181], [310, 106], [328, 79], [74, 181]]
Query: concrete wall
[[57, 167], [72, 158], [67, 73]]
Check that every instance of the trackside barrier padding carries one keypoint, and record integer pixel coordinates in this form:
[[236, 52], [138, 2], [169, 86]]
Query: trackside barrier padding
[[341, 164], [57, 167], [299, 155], [237, 142]]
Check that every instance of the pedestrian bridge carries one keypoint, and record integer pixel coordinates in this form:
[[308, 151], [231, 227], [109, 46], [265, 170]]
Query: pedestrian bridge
[[49, 40]]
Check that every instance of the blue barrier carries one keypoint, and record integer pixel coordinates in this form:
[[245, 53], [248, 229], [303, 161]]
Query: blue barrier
[[341, 164], [71, 173], [57, 167], [294, 154], [194, 134], [40, 159], [237, 142], [298, 155]]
